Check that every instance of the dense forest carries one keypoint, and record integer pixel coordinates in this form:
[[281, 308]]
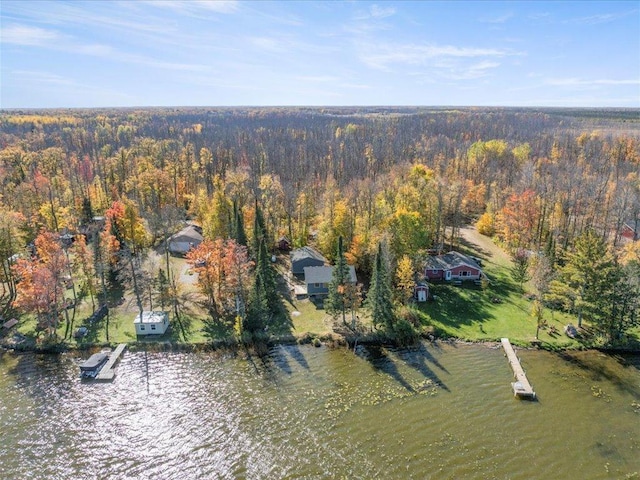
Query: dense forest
[[538, 180]]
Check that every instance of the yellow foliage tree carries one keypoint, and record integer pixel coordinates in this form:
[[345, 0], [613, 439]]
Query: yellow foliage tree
[[486, 224]]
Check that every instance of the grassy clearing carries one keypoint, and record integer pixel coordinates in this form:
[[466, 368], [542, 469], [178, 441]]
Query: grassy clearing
[[470, 313], [307, 317]]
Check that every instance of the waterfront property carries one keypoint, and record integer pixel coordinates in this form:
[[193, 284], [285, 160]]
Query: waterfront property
[[452, 266], [306, 257], [151, 323], [317, 279]]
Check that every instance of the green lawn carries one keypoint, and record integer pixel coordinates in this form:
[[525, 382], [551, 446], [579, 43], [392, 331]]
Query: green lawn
[[307, 317], [469, 313]]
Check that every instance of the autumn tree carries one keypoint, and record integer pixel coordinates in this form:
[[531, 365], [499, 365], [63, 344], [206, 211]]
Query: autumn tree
[[41, 287], [405, 279], [518, 220], [12, 240], [223, 270]]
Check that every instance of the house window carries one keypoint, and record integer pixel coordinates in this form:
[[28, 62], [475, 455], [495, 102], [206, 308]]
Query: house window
[[142, 327], [464, 273], [434, 271], [153, 327], [318, 285]]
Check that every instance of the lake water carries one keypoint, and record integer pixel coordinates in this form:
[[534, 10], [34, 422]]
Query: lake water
[[438, 412]]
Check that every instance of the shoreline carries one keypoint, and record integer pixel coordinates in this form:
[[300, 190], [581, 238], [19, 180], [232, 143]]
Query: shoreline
[[330, 340]]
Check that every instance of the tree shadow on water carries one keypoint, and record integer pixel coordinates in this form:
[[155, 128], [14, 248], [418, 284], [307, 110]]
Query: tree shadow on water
[[297, 355], [418, 358], [600, 366], [379, 360]]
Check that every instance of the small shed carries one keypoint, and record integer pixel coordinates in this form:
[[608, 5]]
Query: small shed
[[151, 323], [284, 244], [306, 257], [317, 279], [421, 292], [186, 239]]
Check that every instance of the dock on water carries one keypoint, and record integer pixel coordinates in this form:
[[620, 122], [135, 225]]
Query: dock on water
[[521, 387], [108, 371]]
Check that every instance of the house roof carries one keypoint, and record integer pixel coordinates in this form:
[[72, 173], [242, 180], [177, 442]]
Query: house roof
[[325, 274], [190, 234], [151, 317], [306, 252], [449, 261]]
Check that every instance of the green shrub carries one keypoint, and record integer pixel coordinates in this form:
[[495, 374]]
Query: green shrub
[[404, 332]]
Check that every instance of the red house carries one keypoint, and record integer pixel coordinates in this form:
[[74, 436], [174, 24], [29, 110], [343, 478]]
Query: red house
[[631, 230], [452, 266]]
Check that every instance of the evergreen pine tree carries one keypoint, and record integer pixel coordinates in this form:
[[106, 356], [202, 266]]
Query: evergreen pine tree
[[237, 226], [588, 281], [265, 272], [257, 314], [336, 302], [379, 297], [87, 210]]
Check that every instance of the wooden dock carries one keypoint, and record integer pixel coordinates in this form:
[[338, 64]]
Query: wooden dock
[[108, 371], [521, 387]]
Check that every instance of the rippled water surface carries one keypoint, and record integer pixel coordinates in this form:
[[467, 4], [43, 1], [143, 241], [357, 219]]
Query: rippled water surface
[[432, 412]]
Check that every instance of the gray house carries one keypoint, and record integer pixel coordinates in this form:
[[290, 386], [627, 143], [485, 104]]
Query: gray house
[[317, 279], [187, 238], [305, 257]]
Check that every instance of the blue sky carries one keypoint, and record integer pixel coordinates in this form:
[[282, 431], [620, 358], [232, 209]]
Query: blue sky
[[214, 53]]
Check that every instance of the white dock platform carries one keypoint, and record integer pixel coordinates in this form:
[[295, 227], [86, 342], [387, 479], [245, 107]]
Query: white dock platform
[[108, 371], [521, 387]]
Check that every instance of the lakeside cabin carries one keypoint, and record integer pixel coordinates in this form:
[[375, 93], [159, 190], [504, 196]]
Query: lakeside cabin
[[186, 239], [306, 257], [317, 279], [151, 323], [452, 266]]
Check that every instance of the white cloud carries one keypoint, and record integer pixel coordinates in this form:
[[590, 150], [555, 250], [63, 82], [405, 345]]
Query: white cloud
[[317, 78], [477, 70], [382, 56], [29, 36], [191, 6], [498, 19], [50, 39], [576, 82], [377, 11], [41, 77], [601, 18], [267, 43]]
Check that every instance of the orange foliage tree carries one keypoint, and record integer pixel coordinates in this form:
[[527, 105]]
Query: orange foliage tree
[[41, 287], [224, 276], [518, 219]]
